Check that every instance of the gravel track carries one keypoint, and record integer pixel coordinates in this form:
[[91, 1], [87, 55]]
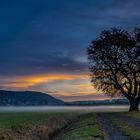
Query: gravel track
[[128, 119], [110, 132]]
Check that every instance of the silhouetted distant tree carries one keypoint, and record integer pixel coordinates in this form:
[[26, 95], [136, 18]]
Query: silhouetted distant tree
[[114, 60]]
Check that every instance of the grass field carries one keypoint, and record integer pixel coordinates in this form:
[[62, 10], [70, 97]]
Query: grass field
[[10, 119], [85, 127], [69, 126], [15, 125]]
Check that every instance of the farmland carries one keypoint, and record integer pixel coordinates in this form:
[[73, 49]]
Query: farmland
[[70, 125]]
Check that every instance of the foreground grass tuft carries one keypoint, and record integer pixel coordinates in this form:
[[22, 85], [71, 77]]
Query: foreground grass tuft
[[85, 128], [32, 126]]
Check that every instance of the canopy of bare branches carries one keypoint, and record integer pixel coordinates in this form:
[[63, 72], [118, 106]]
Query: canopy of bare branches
[[114, 60]]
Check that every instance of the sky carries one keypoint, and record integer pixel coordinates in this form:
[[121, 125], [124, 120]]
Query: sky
[[43, 43]]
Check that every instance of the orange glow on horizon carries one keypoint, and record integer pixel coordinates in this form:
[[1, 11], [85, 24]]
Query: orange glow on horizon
[[25, 82], [65, 85]]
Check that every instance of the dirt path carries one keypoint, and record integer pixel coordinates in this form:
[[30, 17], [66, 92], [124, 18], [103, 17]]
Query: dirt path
[[128, 119], [110, 132]]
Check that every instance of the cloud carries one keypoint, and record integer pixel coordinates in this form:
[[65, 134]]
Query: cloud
[[50, 37], [63, 85], [49, 63], [27, 82], [38, 36], [50, 92]]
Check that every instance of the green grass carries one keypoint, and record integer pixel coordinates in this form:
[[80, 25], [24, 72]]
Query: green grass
[[85, 128], [135, 115], [130, 131], [79, 127], [29, 126], [10, 119]]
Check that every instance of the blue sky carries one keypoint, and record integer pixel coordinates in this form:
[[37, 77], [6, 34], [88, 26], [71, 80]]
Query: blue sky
[[45, 38]]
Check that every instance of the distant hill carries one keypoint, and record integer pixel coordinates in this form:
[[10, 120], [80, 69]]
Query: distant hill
[[26, 98], [33, 98]]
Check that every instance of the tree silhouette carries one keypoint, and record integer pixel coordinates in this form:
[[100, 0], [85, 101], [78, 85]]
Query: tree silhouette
[[114, 60]]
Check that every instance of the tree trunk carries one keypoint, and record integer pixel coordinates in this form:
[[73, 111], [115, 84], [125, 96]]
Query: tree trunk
[[134, 105]]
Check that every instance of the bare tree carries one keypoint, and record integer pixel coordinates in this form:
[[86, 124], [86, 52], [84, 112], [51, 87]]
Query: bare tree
[[114, 60]]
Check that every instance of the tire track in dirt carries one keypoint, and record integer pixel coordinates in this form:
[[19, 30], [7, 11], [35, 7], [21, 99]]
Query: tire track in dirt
[[110, 132], [128, 119]]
